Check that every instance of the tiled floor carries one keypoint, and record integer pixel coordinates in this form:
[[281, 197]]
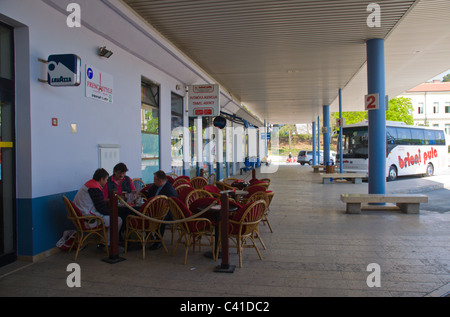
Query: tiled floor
[[316, 249]]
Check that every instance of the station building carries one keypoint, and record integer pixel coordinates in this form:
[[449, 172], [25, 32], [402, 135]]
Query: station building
[[129, 107], [87, 84]]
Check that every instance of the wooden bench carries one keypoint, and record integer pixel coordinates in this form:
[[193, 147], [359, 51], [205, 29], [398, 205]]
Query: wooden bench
[[355, 178], [317, 168], [407, 203]]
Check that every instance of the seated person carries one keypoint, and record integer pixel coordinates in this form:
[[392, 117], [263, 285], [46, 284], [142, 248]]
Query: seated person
[[90, 200], [119, 182], [161, 186]]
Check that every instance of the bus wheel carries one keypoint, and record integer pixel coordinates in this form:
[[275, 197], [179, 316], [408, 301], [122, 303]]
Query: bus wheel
[[392, 173], [430, 169]]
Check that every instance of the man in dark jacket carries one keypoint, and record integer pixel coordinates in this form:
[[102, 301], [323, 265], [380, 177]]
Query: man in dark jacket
[[161, 186]]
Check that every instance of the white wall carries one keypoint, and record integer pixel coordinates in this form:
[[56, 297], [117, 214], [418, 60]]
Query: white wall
[[440, 119], [62, 161]]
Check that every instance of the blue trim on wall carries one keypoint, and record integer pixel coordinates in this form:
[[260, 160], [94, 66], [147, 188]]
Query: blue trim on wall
[[41, 222]]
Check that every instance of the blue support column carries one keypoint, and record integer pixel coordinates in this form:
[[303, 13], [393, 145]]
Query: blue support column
[[377, 118], [318, 140], [341, 146], [314, 142], [326, 135]]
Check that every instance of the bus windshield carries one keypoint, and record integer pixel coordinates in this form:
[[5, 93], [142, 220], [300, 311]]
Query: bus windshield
[[356, 142]]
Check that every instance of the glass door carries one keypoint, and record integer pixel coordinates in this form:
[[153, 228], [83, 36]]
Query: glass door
[[8, 249]]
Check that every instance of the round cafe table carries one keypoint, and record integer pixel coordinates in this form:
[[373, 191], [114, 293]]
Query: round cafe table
[[214, 213], [235, 194]]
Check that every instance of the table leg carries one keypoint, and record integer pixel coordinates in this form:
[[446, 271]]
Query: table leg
[[113, 232], [225, 267]]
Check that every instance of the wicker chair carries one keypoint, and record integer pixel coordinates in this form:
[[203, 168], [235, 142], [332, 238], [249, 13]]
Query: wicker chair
[[223, 186], [157, 208], [173, 175], [179, 181], [214, 190], [267, 196], [183, 191], [212, 179], [138, 184], [196, 194], [244, 226], [262, 196], [199, 182], [230, 180], [260, 184], [86, 226], [191, 231]]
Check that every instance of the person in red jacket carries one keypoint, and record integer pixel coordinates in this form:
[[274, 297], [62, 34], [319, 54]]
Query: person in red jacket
[[90, 200]]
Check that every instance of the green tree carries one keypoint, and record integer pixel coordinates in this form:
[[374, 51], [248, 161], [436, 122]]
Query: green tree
[[400, 109], [446, 78]]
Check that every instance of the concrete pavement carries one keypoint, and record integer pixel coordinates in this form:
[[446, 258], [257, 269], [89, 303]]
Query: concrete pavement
[[316, 249]]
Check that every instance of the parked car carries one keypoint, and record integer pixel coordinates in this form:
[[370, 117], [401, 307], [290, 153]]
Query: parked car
[[306, 157]]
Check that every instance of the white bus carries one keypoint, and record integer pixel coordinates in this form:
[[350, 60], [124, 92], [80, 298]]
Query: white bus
[[409, 149]]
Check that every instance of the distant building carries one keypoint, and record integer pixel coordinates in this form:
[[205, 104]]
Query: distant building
[[431, 102]]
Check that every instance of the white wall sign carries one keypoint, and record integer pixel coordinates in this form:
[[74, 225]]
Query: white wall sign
[[99, 85], [204, 100], [340, 122], [372, 102]]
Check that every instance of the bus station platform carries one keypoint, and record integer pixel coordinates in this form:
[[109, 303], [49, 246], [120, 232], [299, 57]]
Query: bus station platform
[[315, 250]]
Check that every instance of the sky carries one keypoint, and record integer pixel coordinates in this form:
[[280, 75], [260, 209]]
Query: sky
[[440, 75]]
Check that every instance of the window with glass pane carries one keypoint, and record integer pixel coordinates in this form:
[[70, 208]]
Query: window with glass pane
[[149, 130], [177, 134], [436, 107], [193, 151]]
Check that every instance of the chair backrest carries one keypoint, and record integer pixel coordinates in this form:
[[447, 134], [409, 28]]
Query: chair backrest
[[173, 175], [156, 207], [183, 185], [259, 196], [180, 180], [199, 182], [74, 214], [196, 194], [246, 220], [230, 180], [170, 179], [261, 184], [253, 189], [179, 212], [183, 191], [212, 189], [183, 177], [212, 179], [223, 186], [138, 184]]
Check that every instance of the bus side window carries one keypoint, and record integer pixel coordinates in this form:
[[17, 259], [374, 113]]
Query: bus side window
[[440, 138], [404, 136], [418, 136], [391, 135], [429, 137]]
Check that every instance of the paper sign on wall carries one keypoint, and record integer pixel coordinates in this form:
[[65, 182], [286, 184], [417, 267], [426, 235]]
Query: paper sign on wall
[[204, 100], [99, 85]]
